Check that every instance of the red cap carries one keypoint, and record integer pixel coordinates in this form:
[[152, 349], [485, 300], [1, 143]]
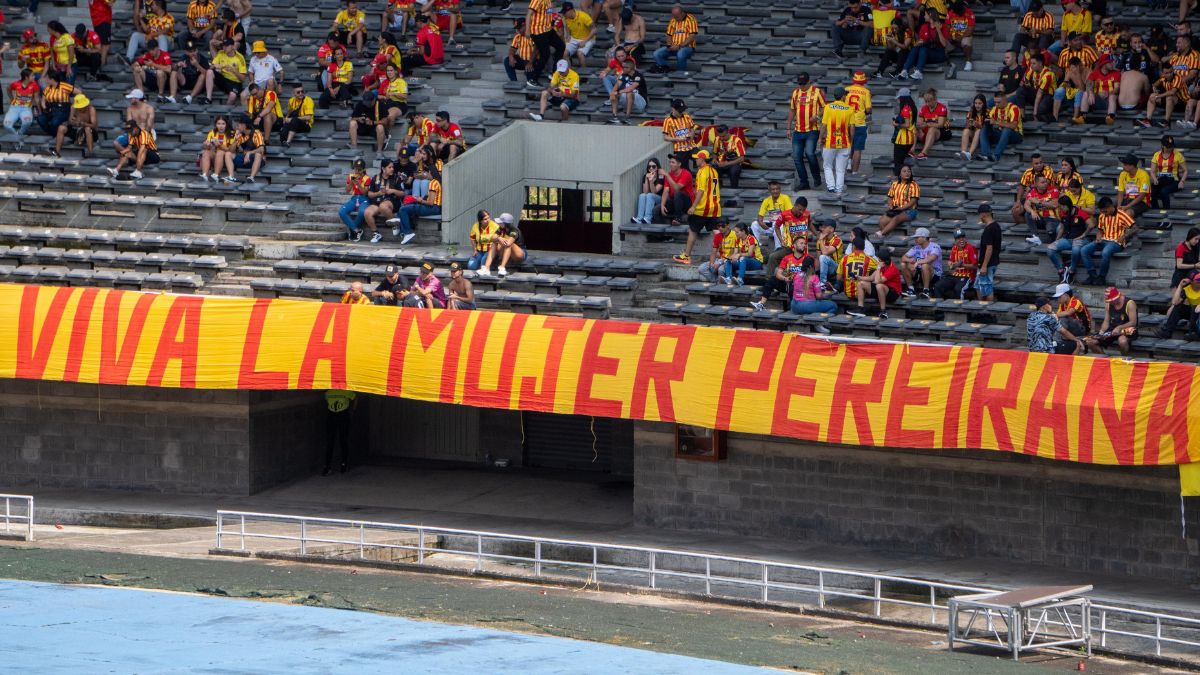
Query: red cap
[[28, 35], [1104, 59], [1111, 294]]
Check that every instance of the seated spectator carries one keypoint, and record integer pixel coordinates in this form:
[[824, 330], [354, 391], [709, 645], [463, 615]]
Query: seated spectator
[[1074, 226], [240, 20], [579, 33], [723, 248], [1103, 84], [1120, 324], [447, 139], [781, 271], [87, 53], [393, 94], [837, 130], [1076, 25], [1037, 28], [429, 50], [337, 86], [808, 291], [791, 229], [22, 93], [629, 93], [681, 42], [248, 149], [1072, 311], [1037, 168], [419, 133], [385, 196], [631, 34], [521, 52], [729, 152], [1046, 335], [418, 207], [483, 230], [351, 26], [678, 192], [191, 74], [1077, 48], [881, 282], [855, 266], [230, 29], [1168, 173], [388, 54], [262, 105], [369, 116], [358, 183], [139, 149], [766, 227], [201, 19], [81, 126], [461, 294], [398, 14], [1072, 87], [1067, 172], [1041, 210], [1169, 89], [427, 165], [1185, 306], [1133, 187], [217, 141], [263, 70], [1187, 256], [1114, 230], [930, 46], [447, 15], [391, 288], [1107, 37], [227, 74], [508, 245], [1083, 198], [853, 25], [1003, 127], [355, 296], [964, 263], [828, 247], [903, 196], [1037, 89], [156, 64], [56, 99], [897, 43], [611, 72], [300, 116], [563, 92], [156, 27], [650, 199], [923, 262], [747, 255], [427, 291], [935, 123], [973, 127], [325, 58], [960, 22], [681, 131]]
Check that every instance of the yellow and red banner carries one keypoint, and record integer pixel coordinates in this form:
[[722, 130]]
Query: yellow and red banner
[[763, 382]]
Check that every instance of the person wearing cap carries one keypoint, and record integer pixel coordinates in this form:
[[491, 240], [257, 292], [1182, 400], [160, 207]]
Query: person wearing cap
[[563, 92], [804, 121], [1133, 187], [56, 99], [1077, 48], [22, 93], [461, 292], [351, 26], [629, 93], [681, 41], [521, 51], [723, 248], [853, 25], [427, 291], [1103, 83], [33, 54], [1114, 230], [706, 204], [430, 49], [262, 105], [483, 230], [922, 262], [1074, 226], [550, 47], [858, 97], [1046, 334], [1168, 173], [728, 153], [989, 254], [139, 150], [904, 129], [897, 41], [1072, 311], [201, 18], [263, 69], [837, 131], [191, 74], [903, 197], [337, 85], [355, 295], [1119, 326], [248, 149], [579, 33], [1041, 209], [930, 46], [87, 53], [299, 118], [960, 22], [157, 26], [508, 244], [964, 264], [681, 131], [392, 288], [81, 126], [228, 72], [1002, 128], [1185, 306], [357, 185], [154, 63]]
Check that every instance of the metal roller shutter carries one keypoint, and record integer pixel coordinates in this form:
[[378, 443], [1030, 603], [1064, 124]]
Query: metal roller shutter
[[566, 442]]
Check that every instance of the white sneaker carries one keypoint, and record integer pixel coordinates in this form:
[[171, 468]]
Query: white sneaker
[[903, 75], [535, 117], [376, 238], [407, 238], [187, 99], [204, 177], [501, 271], [136, 174], [611, 28], [915, 75], [967, 156], [216, 178], [968, 67], [484, 272], [1033, 240], [112, 172], [170, 99]]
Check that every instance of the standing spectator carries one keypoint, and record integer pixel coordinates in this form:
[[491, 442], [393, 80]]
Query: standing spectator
[[964, 263], [263, 69], [1133, 187], [227, 74], [1120, 324], [837, 130], [140, 150], [550, 47], [903, 196], [650, 199], [358, 183], [829, 249], [989, 254], [1116, 228], [897, 42], [391, 288], [385, 196], [427, 291], [369, 116], [201, 18], [340, 403], [1073, 228], [935, 122], [1046, 335], [156, 64], [931, 44], [679, 190], [216, 142], [22, 94], [300, 116], [1036, 29], [881, 282], [351, 26], [430, 50], [706, 205], [34, 54], [249, 149], [102, 16], [804, 120], [1187, 256], [1103, 84], [418, 207], [579, 33], [447, 138], [482, 232], [520, 56], [462, 291], [1041, 209], [508, 244], [1185, 306], [960, 24], [765, 228], [924, 262], [158, 26], [563, 93], [808, 292], [56, 100], [853, 25], [1003, 127], [729, 152], [62, 51], [747, 256], [859, 98], [81, 125], [681, 131], [629, 92], [681, 42], [1168, 175], [973, 127], [904, 134], [191, 74], [355, 295]]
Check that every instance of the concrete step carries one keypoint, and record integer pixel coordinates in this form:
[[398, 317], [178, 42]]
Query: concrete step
[[310, 235]]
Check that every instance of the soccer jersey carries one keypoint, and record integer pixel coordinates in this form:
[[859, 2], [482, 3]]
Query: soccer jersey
[[959, 25], [729, 149], [341, 74], [164, 59], [935, 113], [853, 267], [524, 46], [141, 138], [1135, 185], [1167, 164], [1062, 180], [966, 255], [218, 138], [482, 234], [709, 183], [222, 60], [202, 13], [834, 241], [358, 184], [578, 26], [1009, 113], [1031, 175], [1077, 22], [771, 208], [681, 129], [859, 98], [21, 94], [350, 22], [838, 122], [62, 50], [302, 109], [1042, 80], [806, 105], [160, 24], [1072, 303], [267, 102], [421, 129], [900, 193], [906, 132], [1051, 195], [568, 82], [1086, 54], [434, 196], [1106, 43], [1038, 24], [396, 90], [539, 17], [1104, 83], [681, 31], [1184, 63], [60, 94], [1113, 227], [795, 228], [34, 55]]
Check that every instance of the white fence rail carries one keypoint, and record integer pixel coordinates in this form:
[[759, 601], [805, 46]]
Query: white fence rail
[[920, 601], [18, 515]]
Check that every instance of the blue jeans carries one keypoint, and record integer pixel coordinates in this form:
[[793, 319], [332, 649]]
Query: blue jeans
[[21, 114], [351, 212], [814, 307], [511, 70], [50, 119], [609, 82], [648, 203], [420, 187], [410, 212], [855, 36], [1060, 94], [993, 141], [1064, 246], [475, 261], [828, 267], [681, 57], [922, 55], [804, 149], [985, 283], [743, 264], [1106, 254]]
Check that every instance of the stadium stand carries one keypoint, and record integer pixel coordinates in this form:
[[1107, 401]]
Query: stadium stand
[[66, 221]]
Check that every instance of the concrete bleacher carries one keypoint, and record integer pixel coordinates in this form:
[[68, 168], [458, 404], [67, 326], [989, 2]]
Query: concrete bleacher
[[69, 223]]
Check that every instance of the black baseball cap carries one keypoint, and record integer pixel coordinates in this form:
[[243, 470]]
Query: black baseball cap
[[389, 270], [454, 267], [985, 208]]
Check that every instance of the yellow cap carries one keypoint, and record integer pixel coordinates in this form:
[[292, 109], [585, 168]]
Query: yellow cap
[[82, 101], [259, 47]]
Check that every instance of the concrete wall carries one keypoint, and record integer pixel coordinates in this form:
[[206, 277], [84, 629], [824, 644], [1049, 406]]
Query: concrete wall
[[488, 176], [962, 503], [287, 434]]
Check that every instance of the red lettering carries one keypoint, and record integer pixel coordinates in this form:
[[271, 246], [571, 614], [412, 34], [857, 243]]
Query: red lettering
[[991, 402], [1168, 415], [1119, 423], [32, 356], [954, 398], [531, 398], [905, 394], [79, 334], [501, 396], [594, 364], [115, 364], [185, 314], [332, 350], [658, 375], [1052, 388], [249, 376], [790, 385], [737, 378], [430, 326], [853, 398]]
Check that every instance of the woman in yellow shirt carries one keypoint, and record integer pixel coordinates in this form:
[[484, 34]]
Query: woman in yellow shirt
[[482, 232], [218, 139], [341, 71], [1168, 171], [746, 254], [393, 94]]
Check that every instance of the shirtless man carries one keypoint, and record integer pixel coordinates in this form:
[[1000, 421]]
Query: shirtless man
[[139, 110], [241, 9], [632, 31]]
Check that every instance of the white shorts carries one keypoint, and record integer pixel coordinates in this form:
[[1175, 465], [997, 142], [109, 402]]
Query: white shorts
[[574, 46]]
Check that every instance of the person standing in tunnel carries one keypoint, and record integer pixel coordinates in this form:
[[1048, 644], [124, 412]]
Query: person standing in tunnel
[[340, 404]]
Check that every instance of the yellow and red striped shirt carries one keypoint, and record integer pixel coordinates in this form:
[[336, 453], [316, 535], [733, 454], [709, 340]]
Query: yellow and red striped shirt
[[1184, 63], [1031, 175], [435, 192], [1036, 24], [157, 24], [806, 106], [524, 46], [681, 31], [838, 120], [358, 183], [202, 13], [1008, 113], [1172, 82], [61, 93], [421, 129], [906, 133], [1042, 80], [140, 138], [268, 101], [539, 18], [1167, 164], [1062, 180], [709, 183], [1070, 302], [1113, 227], [901, 193], [728, 148], [682, 129], [1086, 54], [34, 56]]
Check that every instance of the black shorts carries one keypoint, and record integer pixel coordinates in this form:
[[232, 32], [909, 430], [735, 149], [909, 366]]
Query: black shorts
[[571, 103], [225, 85], [395, 105], [873, 292], [104, 31], [190, 75], [698, 224]]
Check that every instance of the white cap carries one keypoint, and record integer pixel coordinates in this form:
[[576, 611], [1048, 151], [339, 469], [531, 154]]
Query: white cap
[[1061, 290], [506, 218], [563, 66], [136, 93], [922, 232]]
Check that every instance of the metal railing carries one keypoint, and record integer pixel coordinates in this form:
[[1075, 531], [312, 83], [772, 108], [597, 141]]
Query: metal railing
[[20, 516], [882, 596]]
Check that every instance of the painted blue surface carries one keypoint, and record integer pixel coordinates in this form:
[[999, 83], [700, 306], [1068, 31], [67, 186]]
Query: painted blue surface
[[52, 628]]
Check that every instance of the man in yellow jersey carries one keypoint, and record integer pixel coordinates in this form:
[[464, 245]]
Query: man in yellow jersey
[[769, 213], [837, 130], [340, 404], [859, 98], [804, 123], [706, 205], [299, 117], [579, 33], [563, 92]]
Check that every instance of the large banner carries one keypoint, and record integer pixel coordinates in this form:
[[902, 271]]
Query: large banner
[[764, 382]]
